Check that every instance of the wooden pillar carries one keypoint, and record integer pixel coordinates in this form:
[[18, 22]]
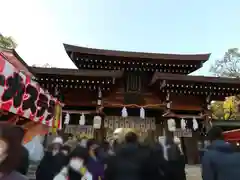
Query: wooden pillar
[[191, 148], [207, 115], [159, 127], [97, 132], [168, 134]]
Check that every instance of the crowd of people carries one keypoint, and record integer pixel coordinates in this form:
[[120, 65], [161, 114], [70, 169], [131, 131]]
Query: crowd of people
[[125, 158]]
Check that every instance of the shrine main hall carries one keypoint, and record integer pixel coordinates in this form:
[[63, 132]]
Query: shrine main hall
[[146, 91]]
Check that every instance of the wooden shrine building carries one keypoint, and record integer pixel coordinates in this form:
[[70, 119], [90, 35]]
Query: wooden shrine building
[[121, 87]]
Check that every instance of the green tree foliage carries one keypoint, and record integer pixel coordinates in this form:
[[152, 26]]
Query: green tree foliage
[[7, 42], [225, 110], [230, 108], [217, 110], [229, 65]]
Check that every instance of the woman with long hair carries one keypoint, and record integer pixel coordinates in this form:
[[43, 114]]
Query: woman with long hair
[[10, 154]]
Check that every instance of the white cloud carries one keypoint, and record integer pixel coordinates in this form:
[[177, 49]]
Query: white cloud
[[30, 24]]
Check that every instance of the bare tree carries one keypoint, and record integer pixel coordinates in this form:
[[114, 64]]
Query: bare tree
[[229, 65]]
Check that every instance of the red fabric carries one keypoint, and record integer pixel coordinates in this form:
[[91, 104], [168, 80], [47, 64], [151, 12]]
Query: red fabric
[[232, 135], [2, 64]]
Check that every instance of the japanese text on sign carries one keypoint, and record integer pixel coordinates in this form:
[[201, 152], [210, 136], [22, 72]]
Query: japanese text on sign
[[23, 96]]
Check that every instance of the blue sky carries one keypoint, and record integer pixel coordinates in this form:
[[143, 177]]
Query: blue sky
[[169, 26]]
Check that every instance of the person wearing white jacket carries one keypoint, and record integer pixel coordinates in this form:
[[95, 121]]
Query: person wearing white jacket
[[63, 175]]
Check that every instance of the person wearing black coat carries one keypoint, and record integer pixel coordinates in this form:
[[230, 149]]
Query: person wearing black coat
[[176, 162], [23, 166], [157, 166], [52, 161], [46, 167], [133, 161]]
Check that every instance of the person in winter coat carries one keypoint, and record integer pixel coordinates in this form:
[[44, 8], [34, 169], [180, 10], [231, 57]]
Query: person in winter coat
[[23, 166], [49, 165], [10, 154], [103, 152], [76, 166], [94, 163], [157, 164], [221, 161], [174, 158], [128, 162], [61, 159]]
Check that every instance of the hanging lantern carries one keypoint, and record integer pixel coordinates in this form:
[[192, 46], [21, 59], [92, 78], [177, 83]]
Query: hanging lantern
[[82, 119], [195, 124], [124, 112], [67, 119], [183, 124], [142, 113], [97, 121], [171, 125]]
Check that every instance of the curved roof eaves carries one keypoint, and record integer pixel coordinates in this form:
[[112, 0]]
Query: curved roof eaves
[[128, 54]]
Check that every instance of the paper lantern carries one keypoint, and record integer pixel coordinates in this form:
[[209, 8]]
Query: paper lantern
[[195, 124], [183, 124], [67, 119], [124, 112], [171, 125], [97, 121], [82, 119], [142, 113]]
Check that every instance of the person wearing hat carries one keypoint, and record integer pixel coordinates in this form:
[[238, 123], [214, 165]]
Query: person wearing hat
[[56, 145], [49, 165]]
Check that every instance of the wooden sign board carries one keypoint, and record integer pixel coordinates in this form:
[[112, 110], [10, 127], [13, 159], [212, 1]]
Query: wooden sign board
[[183, 133]]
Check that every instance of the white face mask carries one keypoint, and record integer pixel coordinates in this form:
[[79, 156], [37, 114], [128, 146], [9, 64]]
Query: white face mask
[[54, 152], [76, 164]]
